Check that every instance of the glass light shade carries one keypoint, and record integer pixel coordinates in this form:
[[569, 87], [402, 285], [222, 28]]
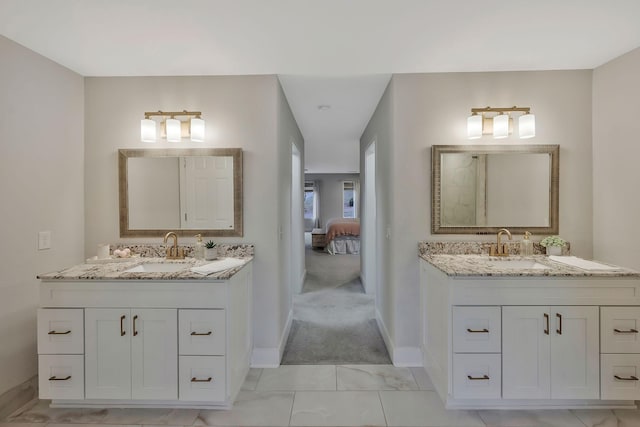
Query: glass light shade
[[474, 126], [173, 129], [527, 126], [197, 130], [501, 126], [147, 130]]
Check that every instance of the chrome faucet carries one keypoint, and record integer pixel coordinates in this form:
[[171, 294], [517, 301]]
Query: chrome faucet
[[499, 249], [173, 252]]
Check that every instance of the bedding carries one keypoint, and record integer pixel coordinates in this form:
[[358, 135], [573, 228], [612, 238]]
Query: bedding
[[343, 236]]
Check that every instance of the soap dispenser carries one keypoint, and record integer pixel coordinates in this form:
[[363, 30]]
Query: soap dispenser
[[198, 252], [526, 245]]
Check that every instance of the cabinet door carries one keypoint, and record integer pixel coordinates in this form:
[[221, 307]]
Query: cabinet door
[[154, 354], [107, 353], [575, 353], [525, 353]]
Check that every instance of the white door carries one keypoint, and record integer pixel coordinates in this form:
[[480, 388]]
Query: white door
[[154, 354], [207, 192], [369, 244], [575, 353], [107, 353], [526, 373]]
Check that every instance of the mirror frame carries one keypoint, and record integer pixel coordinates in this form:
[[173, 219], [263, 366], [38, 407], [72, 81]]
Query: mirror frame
[[123, 186], [436, 187]]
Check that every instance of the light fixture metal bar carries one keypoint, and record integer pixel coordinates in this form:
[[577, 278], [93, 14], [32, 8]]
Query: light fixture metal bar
[[500, 110], [148, 114]]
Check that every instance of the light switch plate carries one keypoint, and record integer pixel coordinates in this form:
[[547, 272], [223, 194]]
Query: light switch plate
[[44, 240]]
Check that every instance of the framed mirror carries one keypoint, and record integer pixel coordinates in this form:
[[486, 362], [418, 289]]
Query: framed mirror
[[478, 189], [189, 191]]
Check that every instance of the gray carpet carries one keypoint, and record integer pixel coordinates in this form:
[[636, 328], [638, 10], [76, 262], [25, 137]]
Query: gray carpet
[[333, 319]]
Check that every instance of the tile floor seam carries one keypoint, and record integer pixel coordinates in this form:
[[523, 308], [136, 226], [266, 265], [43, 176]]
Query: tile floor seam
[[575, 415], [293, 402], [384, 414]]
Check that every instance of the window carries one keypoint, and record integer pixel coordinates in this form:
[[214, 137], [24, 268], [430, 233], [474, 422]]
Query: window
[[349, 199], [309, 201]]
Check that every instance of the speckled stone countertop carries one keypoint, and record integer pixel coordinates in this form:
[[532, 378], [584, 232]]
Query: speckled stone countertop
[[478, 265], [115, 271]]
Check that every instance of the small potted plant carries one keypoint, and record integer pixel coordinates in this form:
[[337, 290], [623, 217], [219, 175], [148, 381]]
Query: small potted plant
[[554, 244], [210, 251]]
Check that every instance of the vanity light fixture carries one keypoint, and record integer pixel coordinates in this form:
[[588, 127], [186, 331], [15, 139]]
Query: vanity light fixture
[[173, 129], [482, 121]]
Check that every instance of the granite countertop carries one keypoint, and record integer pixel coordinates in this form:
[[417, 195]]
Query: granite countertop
[[476, 265], [114, 271]]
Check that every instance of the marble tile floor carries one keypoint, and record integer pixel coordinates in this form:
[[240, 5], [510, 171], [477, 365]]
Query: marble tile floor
[[324, 395]]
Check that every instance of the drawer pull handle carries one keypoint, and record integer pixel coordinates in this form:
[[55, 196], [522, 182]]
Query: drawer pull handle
[[631, 378], [478, 331], [135, 331], [54, 378], [484, 377], [630, 331], [197, 334], [122, 332], [546, 319], [195, 380], [59, 333], [559, 330]]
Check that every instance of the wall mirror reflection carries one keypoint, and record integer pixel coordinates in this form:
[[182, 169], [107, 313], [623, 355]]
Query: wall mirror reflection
[[188, 191], [482, 188]]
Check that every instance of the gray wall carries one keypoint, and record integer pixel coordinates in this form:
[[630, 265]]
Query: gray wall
[[428, 109], [616, 206], [41, 159], [240, 111], [330, 187]]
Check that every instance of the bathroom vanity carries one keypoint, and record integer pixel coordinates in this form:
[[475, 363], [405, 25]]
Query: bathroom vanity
[[144, 333], [512, 332]]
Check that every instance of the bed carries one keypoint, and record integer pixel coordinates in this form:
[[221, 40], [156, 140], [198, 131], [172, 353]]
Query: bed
[[343, 236]]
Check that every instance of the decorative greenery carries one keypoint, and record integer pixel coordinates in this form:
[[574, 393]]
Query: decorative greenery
[[210, 244], [553, 241]]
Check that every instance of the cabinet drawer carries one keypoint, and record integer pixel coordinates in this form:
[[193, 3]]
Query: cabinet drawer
[[60, 331], [61, 376], [619, 376], [477, 376], [202, 378], [620, 329], [476, 329], [202, 332]]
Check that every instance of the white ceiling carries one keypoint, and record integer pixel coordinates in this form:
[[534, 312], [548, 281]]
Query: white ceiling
[[323, 48]]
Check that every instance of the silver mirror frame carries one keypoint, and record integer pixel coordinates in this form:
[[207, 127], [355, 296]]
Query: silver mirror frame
[[436, 187], [123, 186]]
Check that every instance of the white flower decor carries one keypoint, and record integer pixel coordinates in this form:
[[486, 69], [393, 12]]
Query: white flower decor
[[553, 241]]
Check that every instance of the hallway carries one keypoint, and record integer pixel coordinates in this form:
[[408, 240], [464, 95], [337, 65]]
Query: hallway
[[333, 319]]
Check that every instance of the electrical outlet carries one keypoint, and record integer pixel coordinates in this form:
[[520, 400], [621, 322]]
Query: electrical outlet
[[44, 240]]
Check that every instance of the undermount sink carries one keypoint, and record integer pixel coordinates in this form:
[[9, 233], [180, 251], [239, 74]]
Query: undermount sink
[[158, 267], [519, 264]]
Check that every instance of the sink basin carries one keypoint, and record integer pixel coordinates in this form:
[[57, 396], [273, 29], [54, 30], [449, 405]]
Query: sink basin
[[158, 267], [519, 264]]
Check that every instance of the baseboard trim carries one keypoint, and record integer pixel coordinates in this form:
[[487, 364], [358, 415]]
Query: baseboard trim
[[400, 356], [270, 357], [18, 396]]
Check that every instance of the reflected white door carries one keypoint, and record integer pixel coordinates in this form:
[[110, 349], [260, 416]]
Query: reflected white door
[[206, 192]]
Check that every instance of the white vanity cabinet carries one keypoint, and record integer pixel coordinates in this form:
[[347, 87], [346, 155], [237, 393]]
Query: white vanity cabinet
[[550, 352], [131, 353], [145, 343], [531, 340]]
